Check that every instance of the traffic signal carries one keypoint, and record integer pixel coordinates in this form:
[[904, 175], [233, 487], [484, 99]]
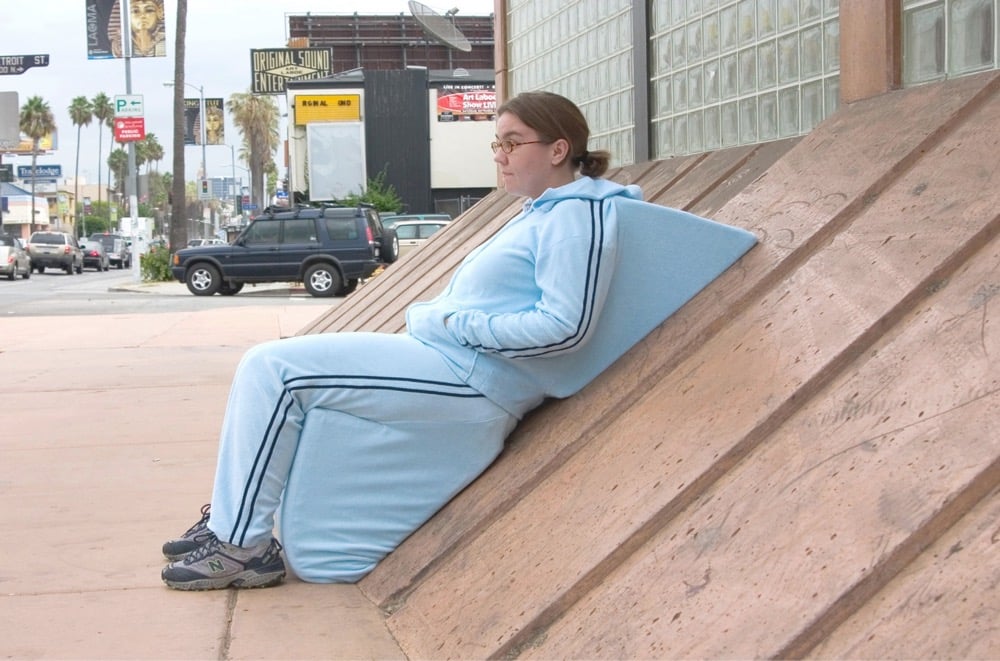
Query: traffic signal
[[204, 187]]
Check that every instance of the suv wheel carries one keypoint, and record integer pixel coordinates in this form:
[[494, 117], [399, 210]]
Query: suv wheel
[[389, 250], [69, 268], [203, 280], [322, 280]]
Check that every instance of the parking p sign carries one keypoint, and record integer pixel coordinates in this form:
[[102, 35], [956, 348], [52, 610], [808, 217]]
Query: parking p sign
[[128, 105]]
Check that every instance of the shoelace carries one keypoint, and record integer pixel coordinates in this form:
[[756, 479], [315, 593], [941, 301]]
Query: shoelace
[[206, 549], [205, 512], [215, 544]]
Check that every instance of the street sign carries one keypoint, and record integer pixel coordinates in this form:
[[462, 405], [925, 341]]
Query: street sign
[[130, 129], [41, 172], [14, 64], [128, 105], [10, 120], [6, 173]]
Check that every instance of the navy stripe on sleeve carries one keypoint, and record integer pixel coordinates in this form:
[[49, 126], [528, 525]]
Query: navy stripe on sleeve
[[592, 276]]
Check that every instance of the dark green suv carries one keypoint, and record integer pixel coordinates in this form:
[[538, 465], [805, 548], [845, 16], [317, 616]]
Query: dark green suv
[[328, 249]]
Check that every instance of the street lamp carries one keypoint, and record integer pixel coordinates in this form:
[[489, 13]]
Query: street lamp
[[232, 151], [202, 122]]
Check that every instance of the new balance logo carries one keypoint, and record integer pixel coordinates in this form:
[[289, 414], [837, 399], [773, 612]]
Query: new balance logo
[[216, 566]]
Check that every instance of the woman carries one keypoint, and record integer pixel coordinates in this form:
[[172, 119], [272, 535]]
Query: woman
[[472, 362]]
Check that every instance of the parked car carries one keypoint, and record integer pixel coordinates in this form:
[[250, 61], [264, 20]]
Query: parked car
[[392, 219], [194, 243], [118, 248], [414, 233], [329, 249], [14, 259], [55, 249], [94, 256]]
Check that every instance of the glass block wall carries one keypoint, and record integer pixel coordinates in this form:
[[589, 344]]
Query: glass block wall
[[735, 72], [581, 49], [947, 38], [721, 73]]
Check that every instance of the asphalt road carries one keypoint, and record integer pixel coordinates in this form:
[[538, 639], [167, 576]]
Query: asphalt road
[[55, 293]]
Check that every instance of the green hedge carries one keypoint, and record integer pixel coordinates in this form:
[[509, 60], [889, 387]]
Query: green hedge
[[155, 265]]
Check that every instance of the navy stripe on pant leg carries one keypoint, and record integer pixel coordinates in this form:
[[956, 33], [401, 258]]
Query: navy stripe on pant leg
[[255, 479]]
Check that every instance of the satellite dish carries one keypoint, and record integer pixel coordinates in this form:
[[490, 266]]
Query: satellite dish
[[439, 27]]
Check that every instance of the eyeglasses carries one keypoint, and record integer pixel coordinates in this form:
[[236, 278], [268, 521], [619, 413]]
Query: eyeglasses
[[508, 145]]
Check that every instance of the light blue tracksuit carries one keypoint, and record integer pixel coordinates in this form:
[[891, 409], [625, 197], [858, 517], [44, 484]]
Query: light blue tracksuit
[[409, 420]]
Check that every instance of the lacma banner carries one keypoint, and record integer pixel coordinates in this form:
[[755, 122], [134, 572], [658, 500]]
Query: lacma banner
[[104, 28]]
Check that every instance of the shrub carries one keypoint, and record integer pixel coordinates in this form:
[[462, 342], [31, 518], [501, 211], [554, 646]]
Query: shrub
[[155, 265], [379, 194]]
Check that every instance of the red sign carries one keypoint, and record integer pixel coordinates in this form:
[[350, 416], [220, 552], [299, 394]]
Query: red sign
[[130, 129], [469, 105]]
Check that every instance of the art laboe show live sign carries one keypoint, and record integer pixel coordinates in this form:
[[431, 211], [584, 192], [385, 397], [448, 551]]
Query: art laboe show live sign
[[462, 105]]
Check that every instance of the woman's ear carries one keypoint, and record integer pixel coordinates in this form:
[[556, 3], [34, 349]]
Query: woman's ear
[[560, 151]]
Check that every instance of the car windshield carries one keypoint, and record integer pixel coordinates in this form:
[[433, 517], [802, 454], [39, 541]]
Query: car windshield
[[6, 240]]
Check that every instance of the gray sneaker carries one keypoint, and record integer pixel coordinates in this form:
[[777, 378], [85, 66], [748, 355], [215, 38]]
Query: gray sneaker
[[195, 536], [216, 565]]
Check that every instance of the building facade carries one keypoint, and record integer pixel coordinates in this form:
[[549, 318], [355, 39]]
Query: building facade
[[664, 78], [671, 77]]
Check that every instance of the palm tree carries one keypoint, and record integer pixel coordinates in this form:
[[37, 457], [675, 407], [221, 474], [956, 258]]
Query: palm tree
[[256, 117], [36, 122], [153, 150], [103, 112], [110, 122], [81, 112], [141, 155], [118, 164], [178, 209]]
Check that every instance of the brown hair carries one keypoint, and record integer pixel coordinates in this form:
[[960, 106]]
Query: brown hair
[[554, 117]]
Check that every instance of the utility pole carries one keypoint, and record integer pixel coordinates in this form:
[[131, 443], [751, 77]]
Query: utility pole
[[132, 182]]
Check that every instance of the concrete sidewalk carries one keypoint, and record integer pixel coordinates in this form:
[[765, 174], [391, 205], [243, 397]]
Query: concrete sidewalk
[[177, 288], [107, 450]]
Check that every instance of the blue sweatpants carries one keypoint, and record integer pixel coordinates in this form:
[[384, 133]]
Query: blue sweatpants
[[392, 435]]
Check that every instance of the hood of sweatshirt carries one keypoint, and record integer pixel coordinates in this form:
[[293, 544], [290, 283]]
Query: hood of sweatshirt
[[586, 188]]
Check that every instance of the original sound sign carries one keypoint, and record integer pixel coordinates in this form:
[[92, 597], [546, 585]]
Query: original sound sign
[[130, 129], [272, 68]]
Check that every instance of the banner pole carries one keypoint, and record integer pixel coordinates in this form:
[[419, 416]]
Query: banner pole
[[132, 179]]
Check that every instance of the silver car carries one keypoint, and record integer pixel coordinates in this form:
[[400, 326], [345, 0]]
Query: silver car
[[414, 233], [14, 259], [94, 256], [57, 250]]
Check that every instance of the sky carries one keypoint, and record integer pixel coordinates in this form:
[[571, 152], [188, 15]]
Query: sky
[[220, 34]]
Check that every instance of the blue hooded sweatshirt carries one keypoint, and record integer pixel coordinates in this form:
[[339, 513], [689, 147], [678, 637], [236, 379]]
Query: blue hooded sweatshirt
[[531, 292]]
